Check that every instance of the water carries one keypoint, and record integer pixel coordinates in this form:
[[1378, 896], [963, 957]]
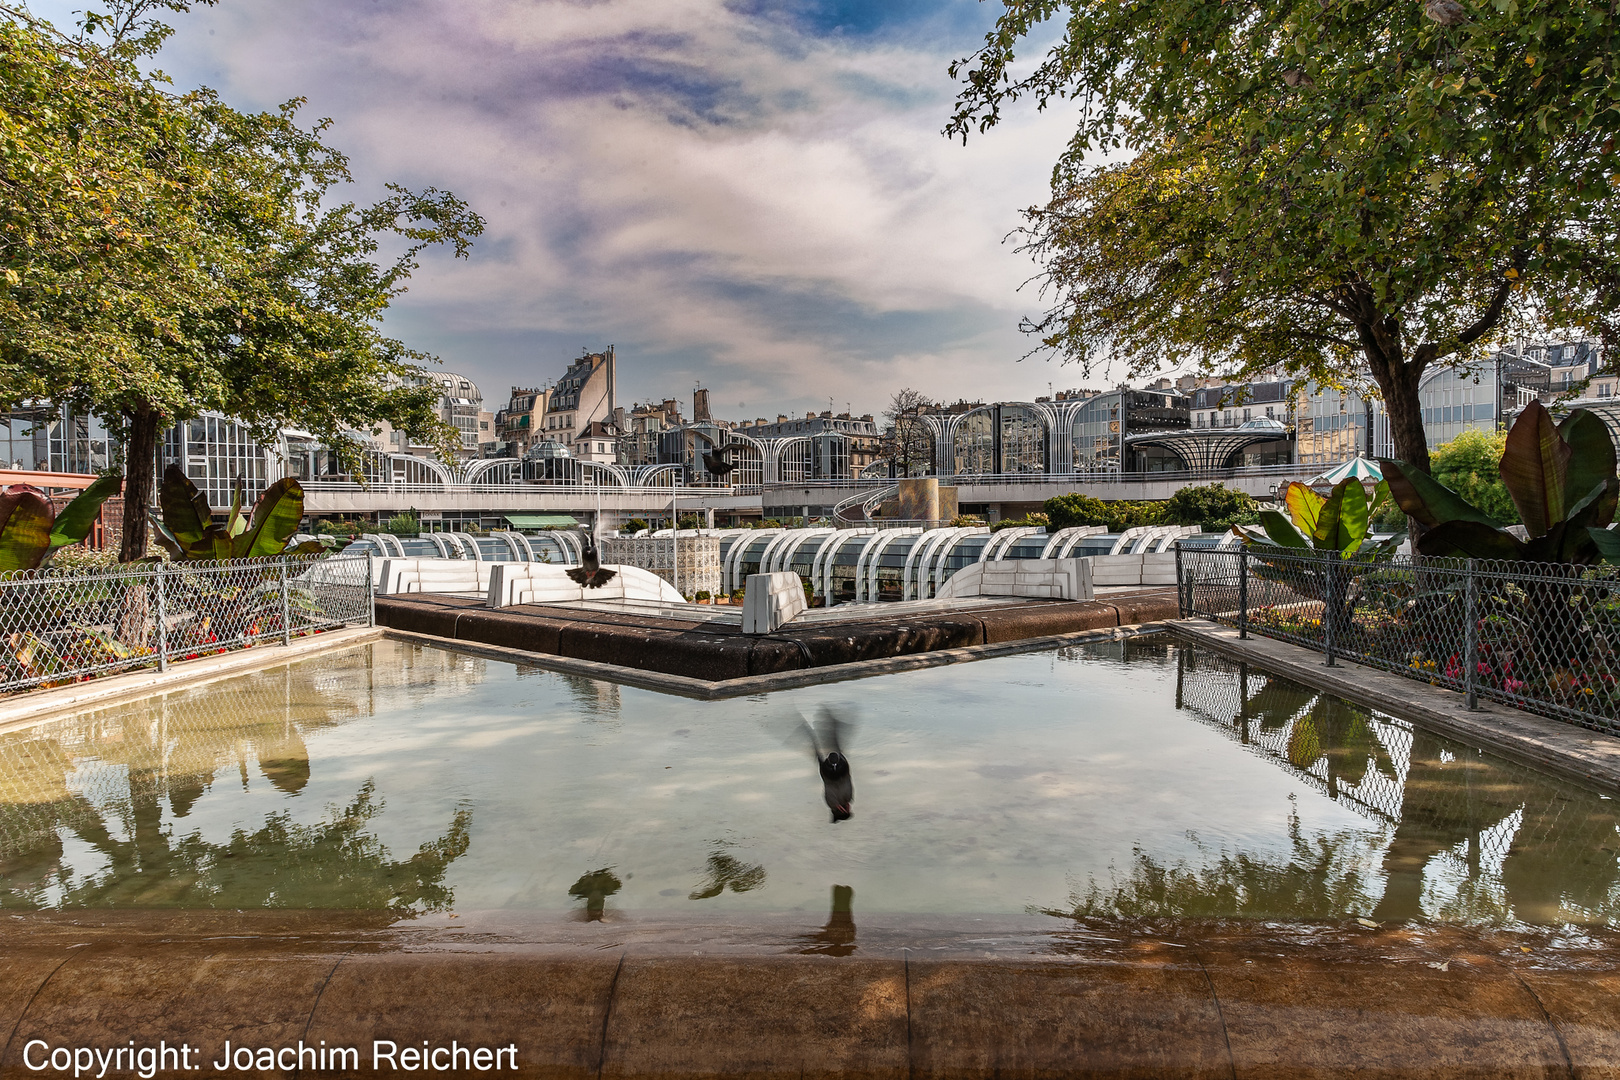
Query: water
[[1135, 780]]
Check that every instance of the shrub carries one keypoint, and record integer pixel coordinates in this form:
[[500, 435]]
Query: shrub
[[705, 594], [1215, 507], [1068, 511], [402, 525], [966, 521], [1039, 521], [634, 525], [691, 521]]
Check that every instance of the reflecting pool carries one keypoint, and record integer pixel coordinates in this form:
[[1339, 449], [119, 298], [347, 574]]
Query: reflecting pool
[[1128, 779]]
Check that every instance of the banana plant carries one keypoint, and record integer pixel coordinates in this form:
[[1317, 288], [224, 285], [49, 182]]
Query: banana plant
[[1561, 478], [187, 529], [31, 530], [1340, 522]]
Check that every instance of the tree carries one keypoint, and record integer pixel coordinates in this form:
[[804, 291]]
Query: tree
[[1214, 507], [909, 440], [164, 254], [1317, 184]]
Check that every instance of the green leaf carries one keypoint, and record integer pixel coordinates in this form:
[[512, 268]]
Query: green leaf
[[1534, 468], [1281, 530], [235, 522], [186, 513], [1592, 458], [275, 519], [1607, 541], [25, 528], [1304, 507], [1352, 500], [166, 540], [1427, 499], [77, 518], [1471, 540]]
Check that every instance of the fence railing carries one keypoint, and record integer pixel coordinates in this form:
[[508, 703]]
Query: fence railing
[[1544, 637], [63, 626]]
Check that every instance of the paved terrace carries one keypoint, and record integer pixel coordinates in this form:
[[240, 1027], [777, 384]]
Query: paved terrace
[[707, 643]]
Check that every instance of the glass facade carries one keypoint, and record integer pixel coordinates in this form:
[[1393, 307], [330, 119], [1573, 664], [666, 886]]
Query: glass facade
[[216, 452], [51, 439], [1099, 434], [1330, 426]]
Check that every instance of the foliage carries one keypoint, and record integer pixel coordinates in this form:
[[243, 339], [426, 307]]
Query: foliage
[[702, 595], [163, 254], [403, 525], [634, 525], [1068, 511], [31, 530], [1215, 507], [966, 521], [187, 530], [1036, 521], [1561, 479], [691, 521], [1341, 522], [1316, 184]]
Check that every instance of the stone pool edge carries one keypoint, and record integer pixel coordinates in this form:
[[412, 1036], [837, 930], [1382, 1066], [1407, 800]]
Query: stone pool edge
[[1574, 753], [707, 690], [41, 706]]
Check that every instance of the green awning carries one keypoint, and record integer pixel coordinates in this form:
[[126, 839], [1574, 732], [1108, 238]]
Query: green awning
[[541, 521]]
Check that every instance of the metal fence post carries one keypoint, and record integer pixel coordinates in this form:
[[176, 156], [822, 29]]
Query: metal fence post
[[286, 606], [1330, 605], [162, 622], [1243, 594], [371, 594], [1470, 639], [1181, 587]]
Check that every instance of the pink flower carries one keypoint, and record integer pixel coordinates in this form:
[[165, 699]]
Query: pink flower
[[1512, 685], [1483, 668], [1453, 667]]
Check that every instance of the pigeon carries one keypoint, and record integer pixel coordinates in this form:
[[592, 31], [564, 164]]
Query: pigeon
[[837, 786], [714, 459], [589, 572]]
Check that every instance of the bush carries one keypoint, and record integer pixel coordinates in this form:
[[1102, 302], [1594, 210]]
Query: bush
[[1039, 521], [1470, 465], [705, 594], [1068, 511], [966, 521], [634, 525], [1215, 507], [402, 525], [691, 521]]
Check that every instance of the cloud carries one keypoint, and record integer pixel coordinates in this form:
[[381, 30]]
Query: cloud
[[750, 193]]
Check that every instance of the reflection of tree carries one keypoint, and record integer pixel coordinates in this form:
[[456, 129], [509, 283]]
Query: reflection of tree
[[1321, 878], [335, 863], [594, 888], [117, 767], [725, 873]]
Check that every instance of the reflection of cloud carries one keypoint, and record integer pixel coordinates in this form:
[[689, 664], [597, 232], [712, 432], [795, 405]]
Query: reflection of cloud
[[735, 190]]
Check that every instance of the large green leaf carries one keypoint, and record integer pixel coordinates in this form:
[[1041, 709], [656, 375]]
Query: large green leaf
[[77, 518], [1427, 499], [1607, 541], [1326, 533], [1281, 530], [275, 519], [1471, 540], [236, 522], [1592, 458], [25, 528], [186, 513], [1568, 541], [1304, 506], [166, 540], [1353, 511], [1534, 468]]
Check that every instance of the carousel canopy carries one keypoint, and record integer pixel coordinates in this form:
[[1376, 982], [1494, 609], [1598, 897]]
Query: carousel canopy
[[1359, 468]]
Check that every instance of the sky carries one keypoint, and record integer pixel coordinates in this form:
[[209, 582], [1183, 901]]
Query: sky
[[753, 195]]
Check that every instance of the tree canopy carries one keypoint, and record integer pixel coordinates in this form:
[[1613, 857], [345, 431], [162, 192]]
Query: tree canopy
[[163, 254], [1316, 185]]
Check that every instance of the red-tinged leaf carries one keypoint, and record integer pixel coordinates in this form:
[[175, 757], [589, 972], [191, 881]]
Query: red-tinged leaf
[[1534, 468]]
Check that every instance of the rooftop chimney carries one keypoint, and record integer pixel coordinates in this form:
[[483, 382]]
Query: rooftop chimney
[[700, 405]]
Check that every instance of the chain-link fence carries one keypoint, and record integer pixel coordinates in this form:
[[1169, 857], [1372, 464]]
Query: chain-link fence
[[1544, 637], [60, 626]]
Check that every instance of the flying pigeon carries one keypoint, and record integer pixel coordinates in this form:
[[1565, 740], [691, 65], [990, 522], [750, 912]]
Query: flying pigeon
[[589, 572]]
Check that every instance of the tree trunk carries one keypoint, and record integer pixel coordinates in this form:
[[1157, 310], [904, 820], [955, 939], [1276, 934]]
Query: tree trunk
[[140, 470]]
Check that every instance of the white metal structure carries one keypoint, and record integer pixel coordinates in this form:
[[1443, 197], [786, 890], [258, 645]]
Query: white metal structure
[[1063, 541], [1006, 538], [866, 564]]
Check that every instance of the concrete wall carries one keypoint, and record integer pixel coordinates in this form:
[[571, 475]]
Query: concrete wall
[[1046, 579]]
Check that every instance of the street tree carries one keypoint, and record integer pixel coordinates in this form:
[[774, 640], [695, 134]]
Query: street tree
[[1321, 186], [909, 442], [164, 254]]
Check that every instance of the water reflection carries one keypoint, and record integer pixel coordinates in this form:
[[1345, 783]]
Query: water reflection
[[594, 888], [837, 938], [1471, 837], [102, 783], [726, 872]]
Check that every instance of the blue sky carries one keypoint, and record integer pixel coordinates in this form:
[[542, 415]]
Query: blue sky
[[751, 194]]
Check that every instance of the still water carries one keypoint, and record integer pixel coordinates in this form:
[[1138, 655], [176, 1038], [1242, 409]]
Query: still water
[[1123, 779]]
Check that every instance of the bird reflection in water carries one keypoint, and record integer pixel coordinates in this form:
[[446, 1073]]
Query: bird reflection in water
[[827, 736], [594, 888], [725, 873], [837, 938]]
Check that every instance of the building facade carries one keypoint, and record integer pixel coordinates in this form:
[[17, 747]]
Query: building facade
[[586, 394]]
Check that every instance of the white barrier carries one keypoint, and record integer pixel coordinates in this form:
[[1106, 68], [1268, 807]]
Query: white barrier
[[769, 600], [433, 576], [1050, 579], [542, 583], [1158, 568]]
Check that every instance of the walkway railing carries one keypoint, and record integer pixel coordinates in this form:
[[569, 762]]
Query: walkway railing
[[1544, 637], [60, 627]]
